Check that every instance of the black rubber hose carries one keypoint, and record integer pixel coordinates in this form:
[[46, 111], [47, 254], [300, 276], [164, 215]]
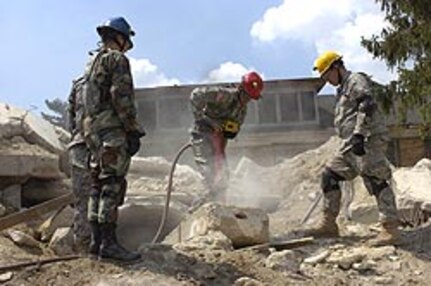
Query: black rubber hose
[[169, 191]]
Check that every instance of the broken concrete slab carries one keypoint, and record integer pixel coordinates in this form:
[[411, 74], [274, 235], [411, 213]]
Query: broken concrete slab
[[243, 226], [18, 122], [29, 161]]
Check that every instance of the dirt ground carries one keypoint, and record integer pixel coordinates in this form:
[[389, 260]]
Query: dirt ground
[[163, 265]]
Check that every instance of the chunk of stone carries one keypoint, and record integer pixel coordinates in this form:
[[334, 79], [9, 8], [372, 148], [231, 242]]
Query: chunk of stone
[[22, 239], [63, 218], [247, 281], [213, 240], [62, 241], [243, 226], [4, 277], [285, 260], [318, 258]]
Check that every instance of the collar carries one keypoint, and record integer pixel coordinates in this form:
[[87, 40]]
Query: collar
[[343, 81]]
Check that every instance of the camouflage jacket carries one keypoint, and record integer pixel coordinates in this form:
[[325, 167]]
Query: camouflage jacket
[[115, 105], [349, 117], [75, 113], [78, 151], [219, 104]]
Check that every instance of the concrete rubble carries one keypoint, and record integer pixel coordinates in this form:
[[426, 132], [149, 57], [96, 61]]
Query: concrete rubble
[[263, 205], [243, 226], [62, 241], [30, 148], [286, 260]]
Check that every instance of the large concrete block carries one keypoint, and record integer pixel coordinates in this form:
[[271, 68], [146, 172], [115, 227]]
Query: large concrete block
[[414, 185], [243, 226], [32, 162]]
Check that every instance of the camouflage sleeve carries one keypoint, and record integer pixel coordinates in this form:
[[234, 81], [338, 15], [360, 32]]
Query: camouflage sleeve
[[71, 123], [122, 92], [206, 100], [361, 92]]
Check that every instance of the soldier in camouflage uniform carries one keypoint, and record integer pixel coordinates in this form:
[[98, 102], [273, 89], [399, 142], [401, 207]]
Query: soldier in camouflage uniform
[[112, 134], [219, 112], [80, 174], [361, 125]]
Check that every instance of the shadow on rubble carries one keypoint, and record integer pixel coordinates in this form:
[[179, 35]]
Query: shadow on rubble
[[163, 259], [417, 241]]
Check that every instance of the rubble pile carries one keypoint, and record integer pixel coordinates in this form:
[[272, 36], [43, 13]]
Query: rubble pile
[[31, 153], [234, 244]]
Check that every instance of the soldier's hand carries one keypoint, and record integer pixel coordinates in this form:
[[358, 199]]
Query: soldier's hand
[[357, 142]]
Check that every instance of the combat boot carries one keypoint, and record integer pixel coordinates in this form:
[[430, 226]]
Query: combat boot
[[96, 239], [111, 249], [389, 235], [326, 228]]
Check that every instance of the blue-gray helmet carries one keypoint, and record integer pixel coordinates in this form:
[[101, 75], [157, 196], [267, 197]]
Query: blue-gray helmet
[[120, 25]]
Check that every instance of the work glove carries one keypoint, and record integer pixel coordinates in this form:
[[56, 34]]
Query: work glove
[[134, 142], [357, 141], [229, 135]]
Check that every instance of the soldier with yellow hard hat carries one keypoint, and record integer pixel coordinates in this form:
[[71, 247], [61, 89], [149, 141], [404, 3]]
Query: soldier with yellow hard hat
[[360, 124]]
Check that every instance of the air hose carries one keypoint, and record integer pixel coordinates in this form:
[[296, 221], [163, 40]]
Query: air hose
[[169, 191]]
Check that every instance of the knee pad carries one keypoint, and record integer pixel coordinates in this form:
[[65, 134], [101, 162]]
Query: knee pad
[[330, 180], [375, 185]]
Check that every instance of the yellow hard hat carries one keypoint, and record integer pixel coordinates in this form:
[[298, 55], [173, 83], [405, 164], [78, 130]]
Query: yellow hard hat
[[325, 60]]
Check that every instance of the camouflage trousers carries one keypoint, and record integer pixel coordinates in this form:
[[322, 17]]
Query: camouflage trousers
[[375, 171], [210, 157], [81, 184], [109, 166]]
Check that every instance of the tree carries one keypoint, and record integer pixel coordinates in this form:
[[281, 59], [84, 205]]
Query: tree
[[405, 45], [59, 108]]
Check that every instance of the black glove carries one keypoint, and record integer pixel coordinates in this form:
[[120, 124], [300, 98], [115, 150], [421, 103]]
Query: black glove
[[133, 142], [357, 142], [229, 135]]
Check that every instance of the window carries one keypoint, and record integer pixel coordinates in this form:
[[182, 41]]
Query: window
[[308, 106], [267, 108], [250, 118], [289, 108]]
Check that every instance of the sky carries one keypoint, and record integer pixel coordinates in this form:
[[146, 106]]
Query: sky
[[45, 43]]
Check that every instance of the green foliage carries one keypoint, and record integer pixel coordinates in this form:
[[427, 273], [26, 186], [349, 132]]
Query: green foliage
[[59, 108], [405, 45]]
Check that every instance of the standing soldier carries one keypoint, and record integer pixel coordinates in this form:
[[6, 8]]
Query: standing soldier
[[112, 134], [80, 174], [219, 113], [359, 122]]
